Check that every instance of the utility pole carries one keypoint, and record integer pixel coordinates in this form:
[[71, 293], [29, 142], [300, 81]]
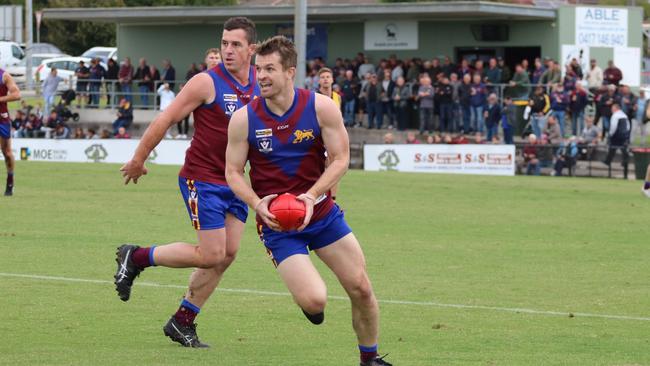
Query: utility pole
[[300, 39], [30, 39]]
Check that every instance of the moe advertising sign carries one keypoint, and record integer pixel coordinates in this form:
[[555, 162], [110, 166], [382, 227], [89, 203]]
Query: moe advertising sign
[[601, 27], [453, 159], [95, 151], [391, 35]]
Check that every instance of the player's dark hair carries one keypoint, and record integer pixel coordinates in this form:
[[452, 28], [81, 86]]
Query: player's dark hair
[[283, 46], [242, 23]]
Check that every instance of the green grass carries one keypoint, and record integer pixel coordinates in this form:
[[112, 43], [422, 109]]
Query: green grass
[[548, 244]]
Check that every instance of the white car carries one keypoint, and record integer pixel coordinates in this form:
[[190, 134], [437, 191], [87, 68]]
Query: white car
[[10, 54], [19, 72], [65, 67], [104, 53]]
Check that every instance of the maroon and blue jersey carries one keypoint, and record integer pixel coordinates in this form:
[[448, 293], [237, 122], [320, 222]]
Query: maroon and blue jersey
[[4, 111], [5, 121], [287, 153], [205, 160]]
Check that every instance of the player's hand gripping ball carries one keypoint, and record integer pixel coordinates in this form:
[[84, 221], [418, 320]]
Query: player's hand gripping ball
[[289, 211]]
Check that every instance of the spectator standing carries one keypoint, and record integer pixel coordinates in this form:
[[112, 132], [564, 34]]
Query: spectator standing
[[578, 103], [49, 89], [612, 75], [553, 75], [125, 77], [465, 101], [552, 131], [506, 74], [373, 102], [559, 105], [508, 120], [604, 106], [493, 73], [628, 102], [112, 75], [365, 68], [478, 94], [539, 104], [401, 96], [143, 75], [540, 69], [445, 99], [387, 108], [82, 73], [168, 74], [448, 67], [350, 89], [619, 132], [425, 99], [193, 70], [97, 73], [519, 83], [456, 114], [492, 116], [594, 76]]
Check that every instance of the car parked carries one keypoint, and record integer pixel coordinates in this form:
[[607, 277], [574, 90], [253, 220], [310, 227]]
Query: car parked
[[104, 53], [19, 72], [65, 69], [10, 54]]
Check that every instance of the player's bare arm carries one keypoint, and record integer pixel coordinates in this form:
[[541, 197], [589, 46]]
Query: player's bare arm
[[236, 156], [337, 144], [197, 91], [13, 93]]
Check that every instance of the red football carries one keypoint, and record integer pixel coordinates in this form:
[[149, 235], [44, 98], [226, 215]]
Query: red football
[[289, 211]]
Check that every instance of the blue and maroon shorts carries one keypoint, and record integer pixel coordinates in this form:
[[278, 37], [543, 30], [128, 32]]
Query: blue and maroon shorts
[[317, 235], [208, 204]]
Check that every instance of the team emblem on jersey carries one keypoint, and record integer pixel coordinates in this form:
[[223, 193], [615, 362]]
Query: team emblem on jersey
[[231, 107], [303, 135], [265, 145], [230, 97], [267, 132]]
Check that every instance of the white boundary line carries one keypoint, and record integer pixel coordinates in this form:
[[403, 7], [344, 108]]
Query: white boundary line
[[395, 302]]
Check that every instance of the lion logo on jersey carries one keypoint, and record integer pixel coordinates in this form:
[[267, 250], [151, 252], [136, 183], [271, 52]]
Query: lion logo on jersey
[[303, 135]]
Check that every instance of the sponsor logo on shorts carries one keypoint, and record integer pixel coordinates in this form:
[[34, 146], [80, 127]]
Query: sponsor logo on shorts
[[193, 203], [265, 145], [267, 132]]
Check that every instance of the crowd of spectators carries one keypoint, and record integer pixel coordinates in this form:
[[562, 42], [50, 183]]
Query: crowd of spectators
[[31, 122]]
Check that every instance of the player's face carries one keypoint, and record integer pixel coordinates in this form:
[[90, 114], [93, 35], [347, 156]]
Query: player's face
[[212, 59], [271, 76], [325, 80], [236, 52]]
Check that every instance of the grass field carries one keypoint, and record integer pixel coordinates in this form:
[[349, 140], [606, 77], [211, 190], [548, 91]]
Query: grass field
[[469, 271]]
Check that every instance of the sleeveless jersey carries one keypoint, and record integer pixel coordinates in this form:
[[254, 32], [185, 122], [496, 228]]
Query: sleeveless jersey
[[205, 160], [287, 153], [4, 111]]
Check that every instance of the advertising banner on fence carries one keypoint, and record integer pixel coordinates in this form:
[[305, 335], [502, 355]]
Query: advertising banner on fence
[[453, 159], [95, 151]]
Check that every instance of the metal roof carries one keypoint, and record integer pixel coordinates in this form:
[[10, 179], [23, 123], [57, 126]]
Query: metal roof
[[450, 10]]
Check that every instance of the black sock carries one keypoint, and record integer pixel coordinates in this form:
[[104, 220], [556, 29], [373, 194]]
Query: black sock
[[10, 179], [315, 318]]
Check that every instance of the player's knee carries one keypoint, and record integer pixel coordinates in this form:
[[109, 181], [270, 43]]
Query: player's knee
[[212, 258], [314, 304], [361, 289]]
